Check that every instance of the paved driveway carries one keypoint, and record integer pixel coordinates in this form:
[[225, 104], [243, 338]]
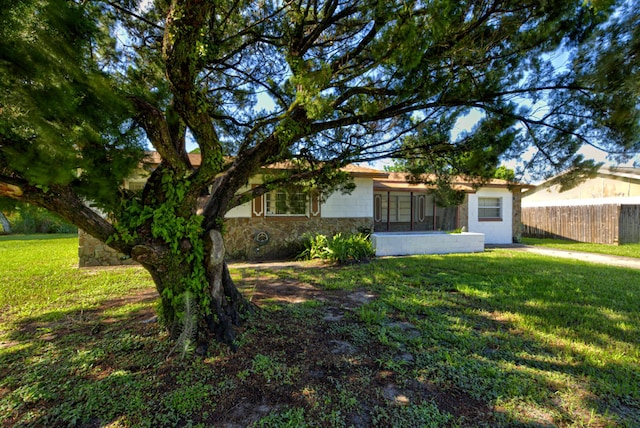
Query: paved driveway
[[628, 262]]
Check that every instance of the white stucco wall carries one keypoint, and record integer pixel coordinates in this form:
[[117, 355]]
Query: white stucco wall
[[408, 243], [355, 205], [241, 211], [592, 189], [495, 232]]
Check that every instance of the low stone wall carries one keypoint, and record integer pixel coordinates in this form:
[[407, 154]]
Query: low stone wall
[[251, 239]]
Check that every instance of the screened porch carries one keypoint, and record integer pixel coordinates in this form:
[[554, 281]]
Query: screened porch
[[404, 211]]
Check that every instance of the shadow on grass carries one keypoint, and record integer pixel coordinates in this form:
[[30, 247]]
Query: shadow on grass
[[80, 367], [475, 340], [545, 341]]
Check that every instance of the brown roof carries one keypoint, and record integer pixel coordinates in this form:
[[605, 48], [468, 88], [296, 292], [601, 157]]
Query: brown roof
[[401, 181], [153, 158], [405, 186], [381, 180]]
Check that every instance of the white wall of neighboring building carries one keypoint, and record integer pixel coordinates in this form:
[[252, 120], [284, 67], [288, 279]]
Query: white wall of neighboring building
[[592, 189], [357, 204], [495, 232]]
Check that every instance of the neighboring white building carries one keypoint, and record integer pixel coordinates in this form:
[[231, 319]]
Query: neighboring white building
[[603, 209]]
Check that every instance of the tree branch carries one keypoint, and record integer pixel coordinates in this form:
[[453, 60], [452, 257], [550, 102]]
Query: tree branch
[[63, 201], [162, 137]]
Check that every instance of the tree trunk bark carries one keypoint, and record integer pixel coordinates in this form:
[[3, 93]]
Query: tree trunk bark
[[227, 303]]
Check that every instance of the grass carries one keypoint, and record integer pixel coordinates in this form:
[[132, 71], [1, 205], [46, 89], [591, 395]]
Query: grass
[[627, 250], [493, 339], [39, 274]]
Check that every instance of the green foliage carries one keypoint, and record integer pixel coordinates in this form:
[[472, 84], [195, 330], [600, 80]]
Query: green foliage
[[421, 415], [626, 250], [62, 119], [504, 173], [290, 418], [185, 342], [316, 247], [398, 165], [27, 219], [168, 223], [272, 370], [341, 248], [85, 85]]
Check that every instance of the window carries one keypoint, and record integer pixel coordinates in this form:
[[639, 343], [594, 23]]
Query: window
[[283, 203], [490, 208], [136, 185]]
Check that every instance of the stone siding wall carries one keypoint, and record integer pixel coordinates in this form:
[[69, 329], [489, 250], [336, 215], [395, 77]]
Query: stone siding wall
[[284, 239], [92, 252], [463, 213], [517, 215], [285, 235]]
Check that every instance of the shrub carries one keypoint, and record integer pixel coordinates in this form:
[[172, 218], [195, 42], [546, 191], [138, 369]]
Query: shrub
[[315, 247], [341, 248], [29, 220]]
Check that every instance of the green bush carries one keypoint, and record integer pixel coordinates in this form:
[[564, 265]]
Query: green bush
[[315, 247], [29, 220], [341, 248]]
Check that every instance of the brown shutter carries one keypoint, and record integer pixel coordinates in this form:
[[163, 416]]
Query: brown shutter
[[257, 205], [314, 204]]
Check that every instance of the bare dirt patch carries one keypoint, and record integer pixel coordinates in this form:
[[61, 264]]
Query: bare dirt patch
[[305, 350]]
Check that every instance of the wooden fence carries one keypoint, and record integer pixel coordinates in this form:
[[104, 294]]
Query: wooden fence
[[629, 224], [600, 224]]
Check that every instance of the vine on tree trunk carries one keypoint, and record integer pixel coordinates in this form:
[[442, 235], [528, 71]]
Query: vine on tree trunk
[[181, 235]]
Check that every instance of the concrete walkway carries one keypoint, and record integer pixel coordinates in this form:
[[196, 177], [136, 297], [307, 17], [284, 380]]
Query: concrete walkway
[[605, 259]]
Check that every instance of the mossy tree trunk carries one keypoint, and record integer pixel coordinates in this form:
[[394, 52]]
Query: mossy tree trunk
[[188, 315]]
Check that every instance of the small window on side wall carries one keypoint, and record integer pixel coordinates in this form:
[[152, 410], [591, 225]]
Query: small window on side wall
[[489, 209]]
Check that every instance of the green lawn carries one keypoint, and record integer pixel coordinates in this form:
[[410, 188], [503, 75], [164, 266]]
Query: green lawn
[[39, 274], [493, 339], [628, 250]]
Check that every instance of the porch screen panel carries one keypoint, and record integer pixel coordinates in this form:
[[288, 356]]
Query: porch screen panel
[[429, 212], [422, 212], [399, 212], [380, 205], [404, 208]]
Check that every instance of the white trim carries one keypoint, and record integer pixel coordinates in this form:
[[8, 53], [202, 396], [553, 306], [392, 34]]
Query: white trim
[[314, 197], [377, 203]]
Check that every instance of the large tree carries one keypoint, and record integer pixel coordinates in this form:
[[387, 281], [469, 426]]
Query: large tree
[[87, 85]]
